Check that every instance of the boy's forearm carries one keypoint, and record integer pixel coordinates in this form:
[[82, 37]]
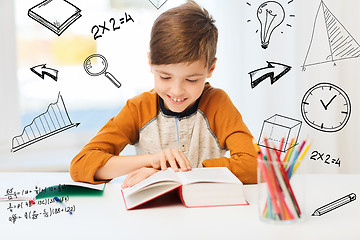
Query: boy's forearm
[[244, 166], [120, 165]]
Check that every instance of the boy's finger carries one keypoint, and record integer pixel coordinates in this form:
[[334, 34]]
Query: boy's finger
[[125, 183], [128, 177], [187, 162], [171, 160], [140, 177], [180, 160], [163, 161]]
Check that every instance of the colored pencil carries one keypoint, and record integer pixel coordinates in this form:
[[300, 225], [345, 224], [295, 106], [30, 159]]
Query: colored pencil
[[300, 159], [281, 202]]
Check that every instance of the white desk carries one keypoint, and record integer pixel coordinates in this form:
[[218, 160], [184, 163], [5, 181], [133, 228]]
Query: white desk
[[106, 218]]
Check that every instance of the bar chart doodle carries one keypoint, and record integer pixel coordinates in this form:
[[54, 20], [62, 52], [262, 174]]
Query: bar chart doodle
[[54, 120], [330, 40], [41, 70]]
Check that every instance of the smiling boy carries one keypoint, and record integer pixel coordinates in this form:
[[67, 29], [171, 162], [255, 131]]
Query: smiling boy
[[183, 122]]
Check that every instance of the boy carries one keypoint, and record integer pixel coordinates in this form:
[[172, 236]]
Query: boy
[[183, 122]]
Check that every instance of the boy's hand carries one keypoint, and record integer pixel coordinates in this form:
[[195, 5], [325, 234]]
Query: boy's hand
[[137, 176], [170, 157]]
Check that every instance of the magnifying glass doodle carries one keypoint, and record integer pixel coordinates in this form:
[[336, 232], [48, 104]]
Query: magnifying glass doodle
[[96, 64]]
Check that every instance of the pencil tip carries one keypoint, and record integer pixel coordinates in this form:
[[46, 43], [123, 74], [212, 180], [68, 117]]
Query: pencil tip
[[316, 213]]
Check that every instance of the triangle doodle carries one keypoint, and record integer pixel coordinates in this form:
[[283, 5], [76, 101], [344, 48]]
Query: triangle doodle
[[330, 41], [158, 3]]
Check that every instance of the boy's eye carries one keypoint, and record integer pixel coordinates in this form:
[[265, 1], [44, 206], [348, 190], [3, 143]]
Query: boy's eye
[[165, 78], [191, 80]]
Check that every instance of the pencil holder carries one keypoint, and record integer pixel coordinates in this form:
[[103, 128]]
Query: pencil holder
[[279, 192]]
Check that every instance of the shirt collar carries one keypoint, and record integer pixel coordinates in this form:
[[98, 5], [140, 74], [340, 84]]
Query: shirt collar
[[187, 112]]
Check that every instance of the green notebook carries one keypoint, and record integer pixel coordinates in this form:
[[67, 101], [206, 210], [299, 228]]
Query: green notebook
[[72, 189]]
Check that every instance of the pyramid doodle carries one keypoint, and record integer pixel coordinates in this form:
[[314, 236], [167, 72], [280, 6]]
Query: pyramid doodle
[[330, 41]]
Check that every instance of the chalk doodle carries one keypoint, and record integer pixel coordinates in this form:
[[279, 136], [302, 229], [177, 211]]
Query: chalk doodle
[[274, 71], [56, 15], [276, 128], [96, 65], [315, 155], [96, 28], [158, 3], [41, 70], [51, 122], [330, 41], [326, 107], [270, 15], [335, 204]]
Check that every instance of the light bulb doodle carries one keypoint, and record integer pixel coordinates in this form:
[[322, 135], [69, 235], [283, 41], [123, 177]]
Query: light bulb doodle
[[270, 15]]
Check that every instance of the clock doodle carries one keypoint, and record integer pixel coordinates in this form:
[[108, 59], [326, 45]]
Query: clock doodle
[[326, 107]]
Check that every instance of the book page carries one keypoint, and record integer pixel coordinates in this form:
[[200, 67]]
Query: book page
[[161, 176], [211, 174]]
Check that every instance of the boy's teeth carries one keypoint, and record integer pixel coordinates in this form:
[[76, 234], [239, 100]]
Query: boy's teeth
[[177, 99]]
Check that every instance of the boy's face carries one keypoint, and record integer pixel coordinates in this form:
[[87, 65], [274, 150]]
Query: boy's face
[[181, 84]]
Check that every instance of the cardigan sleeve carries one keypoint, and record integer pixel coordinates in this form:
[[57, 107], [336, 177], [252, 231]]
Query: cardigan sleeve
[[232, 133], [109, 141]]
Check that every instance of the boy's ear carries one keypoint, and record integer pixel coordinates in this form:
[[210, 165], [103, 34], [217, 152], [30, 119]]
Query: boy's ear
[[212, 68], [148, 56]]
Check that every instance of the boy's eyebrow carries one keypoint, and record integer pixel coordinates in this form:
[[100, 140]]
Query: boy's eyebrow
[[195, 75], [159, 71], [191, 75]]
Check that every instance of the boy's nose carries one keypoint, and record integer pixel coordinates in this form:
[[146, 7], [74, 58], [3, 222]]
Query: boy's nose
[[177, 90]]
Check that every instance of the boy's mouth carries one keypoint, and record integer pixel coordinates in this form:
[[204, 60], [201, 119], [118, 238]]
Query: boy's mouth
[[176, 100]]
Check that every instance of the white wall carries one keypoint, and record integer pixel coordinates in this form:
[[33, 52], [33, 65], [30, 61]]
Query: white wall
[[239, 52], [9, 107]]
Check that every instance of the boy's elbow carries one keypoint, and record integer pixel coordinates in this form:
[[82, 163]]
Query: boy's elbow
[[75, 169], [84, 166]]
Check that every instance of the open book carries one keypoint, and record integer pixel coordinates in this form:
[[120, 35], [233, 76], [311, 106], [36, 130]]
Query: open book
[[200, 187]]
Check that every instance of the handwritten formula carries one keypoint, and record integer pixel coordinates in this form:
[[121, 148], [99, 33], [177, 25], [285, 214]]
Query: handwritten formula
[[25, 194], [99, 30], [326, 158], [21, 206]]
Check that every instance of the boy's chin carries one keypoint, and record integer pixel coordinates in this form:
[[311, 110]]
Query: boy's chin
[[177, 110]]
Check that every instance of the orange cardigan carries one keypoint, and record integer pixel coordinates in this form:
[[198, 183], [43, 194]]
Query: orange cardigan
[[204, 133]]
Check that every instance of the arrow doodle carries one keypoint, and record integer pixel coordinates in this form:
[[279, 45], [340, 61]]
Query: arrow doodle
[[41, 70], [273, 70]]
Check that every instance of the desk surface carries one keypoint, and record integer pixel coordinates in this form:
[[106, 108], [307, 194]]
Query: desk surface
[[105, 217]]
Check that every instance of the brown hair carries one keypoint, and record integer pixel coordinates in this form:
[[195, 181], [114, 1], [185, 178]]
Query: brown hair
[[183, 34]]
